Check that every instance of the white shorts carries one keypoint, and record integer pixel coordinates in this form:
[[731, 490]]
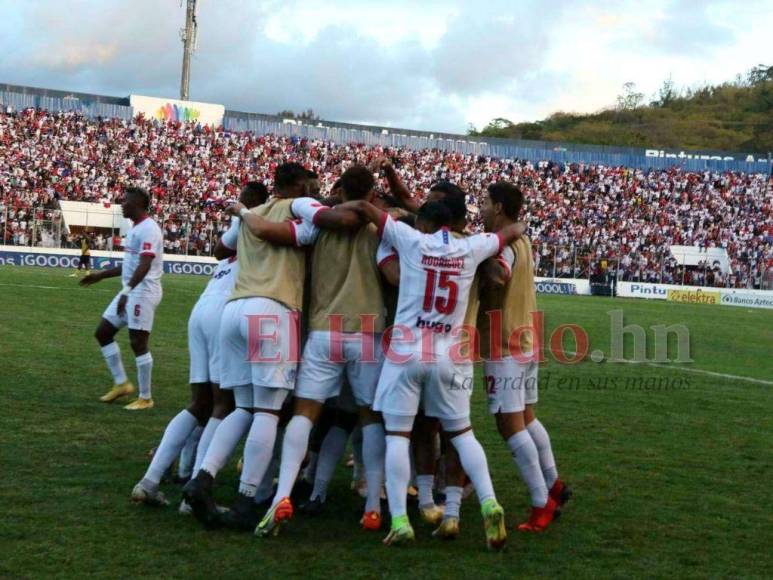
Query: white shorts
[[140, 311], [443, 388], [251, 397], [268, 361], [204, 339], [321, 372], [510, 385]]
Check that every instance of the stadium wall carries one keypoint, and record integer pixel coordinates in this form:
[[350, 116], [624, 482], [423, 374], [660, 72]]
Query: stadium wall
[[205, 265], [20, 97]]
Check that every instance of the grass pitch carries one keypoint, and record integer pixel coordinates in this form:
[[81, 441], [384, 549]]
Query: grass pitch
[[671, 469]]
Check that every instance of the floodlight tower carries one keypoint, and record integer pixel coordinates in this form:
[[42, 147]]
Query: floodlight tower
[[188, 36]]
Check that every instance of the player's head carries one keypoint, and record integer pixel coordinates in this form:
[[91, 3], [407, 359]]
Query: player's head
[[313, 186], [357, 183], [253, 194], [454, 198], [432, 216], [501, 206], [136, 202], [290, 180], [336, 190]]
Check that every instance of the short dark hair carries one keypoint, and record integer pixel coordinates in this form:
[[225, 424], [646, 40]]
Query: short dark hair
[[454, 198], [289, 174], [311, 174], [435, 213], [254, 194], [408, 219], [141, 193], [357, 182], [509, 195]]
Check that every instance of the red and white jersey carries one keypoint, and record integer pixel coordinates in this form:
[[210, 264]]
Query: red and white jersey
[[221, 284], [144, 239], [231, 235], [436, 274]]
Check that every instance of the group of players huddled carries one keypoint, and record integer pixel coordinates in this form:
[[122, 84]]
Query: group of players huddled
[[355, 305]]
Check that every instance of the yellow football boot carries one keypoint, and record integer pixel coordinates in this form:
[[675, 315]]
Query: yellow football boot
[[117, 392]]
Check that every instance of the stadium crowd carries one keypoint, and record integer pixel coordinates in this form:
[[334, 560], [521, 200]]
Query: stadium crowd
[[584, 219]]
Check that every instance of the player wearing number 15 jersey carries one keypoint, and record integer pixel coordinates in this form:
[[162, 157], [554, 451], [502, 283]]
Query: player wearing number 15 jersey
[[436, 274]]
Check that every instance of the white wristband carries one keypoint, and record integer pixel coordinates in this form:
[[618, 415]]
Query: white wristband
[[125, 291], [243, 211]]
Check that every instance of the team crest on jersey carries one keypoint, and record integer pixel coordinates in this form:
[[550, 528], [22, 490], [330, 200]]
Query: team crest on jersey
[[146, 246], [445, 236]]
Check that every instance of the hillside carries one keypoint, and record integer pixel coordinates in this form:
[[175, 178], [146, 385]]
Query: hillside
[[733, 116]]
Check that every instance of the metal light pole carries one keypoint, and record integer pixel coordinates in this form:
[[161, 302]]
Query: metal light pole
[[188, 36]]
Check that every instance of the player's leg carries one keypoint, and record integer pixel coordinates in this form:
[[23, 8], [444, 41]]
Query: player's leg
[[140, 312], [398, 475], [222, 406], [373, 456], [175, 436], [447, 396], [455, 480], [425, 453], [557, 489], [331, 453], [321, 427], [105, 336], [139, 341]]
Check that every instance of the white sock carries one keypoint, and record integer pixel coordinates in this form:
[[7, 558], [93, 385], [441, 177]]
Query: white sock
[[333, 447], [258, 452], [188, 454], [175, 434], [453, 501], [296, 441], [474, 463], [144, 370], [546, 460], [204, 441], [527, 459], [373, 451], [112, 354], [425, 483], [398, 473], [225, 440]]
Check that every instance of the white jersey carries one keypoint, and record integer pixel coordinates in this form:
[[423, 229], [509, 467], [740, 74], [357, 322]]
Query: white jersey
[[144, 239], [221, 284], [436, 274]]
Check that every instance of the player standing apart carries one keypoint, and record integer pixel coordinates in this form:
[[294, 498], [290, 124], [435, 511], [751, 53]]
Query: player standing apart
[[135, 305]]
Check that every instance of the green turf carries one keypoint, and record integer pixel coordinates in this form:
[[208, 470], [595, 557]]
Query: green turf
[[669, 481]]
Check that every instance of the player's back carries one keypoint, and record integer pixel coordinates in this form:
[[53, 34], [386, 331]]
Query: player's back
[[267, 270], [345, 280], [437, 272]]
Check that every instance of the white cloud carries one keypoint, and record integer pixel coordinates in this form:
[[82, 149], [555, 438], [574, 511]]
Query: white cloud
[[435, 65]]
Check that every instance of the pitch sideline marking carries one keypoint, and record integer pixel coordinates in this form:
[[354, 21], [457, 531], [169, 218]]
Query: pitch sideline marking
[[685, 369]]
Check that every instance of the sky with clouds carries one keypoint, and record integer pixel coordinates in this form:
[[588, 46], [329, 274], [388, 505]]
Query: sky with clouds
[[434, 65]]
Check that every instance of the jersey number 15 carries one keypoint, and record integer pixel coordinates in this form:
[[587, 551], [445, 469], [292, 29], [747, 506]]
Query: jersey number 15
[[440, 280]]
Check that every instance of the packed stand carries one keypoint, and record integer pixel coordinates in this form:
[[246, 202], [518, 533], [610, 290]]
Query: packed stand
[[585, 218]]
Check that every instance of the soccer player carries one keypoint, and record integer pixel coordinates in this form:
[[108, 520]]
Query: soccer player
[[423, 363], [346, 320], [135, 305], [207, 399], [259, 335], [510, 367], [85, 259]]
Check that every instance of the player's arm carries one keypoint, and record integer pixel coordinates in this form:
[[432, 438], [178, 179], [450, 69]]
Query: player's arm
[[323, 216], [278, 233], [139, 275], [510, 233], [388, 263], [496, 271], [95, 277], [226, 245], [366, 211], [396, 185]]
